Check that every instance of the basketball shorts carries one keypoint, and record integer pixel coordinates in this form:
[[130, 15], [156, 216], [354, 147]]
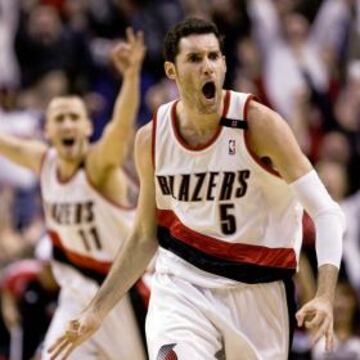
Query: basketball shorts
[[241, 322]]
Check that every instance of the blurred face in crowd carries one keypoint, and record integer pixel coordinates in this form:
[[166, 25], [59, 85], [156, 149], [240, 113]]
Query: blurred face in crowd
[[335, 147], [44, 24], [68, 127], [333, 175], [199, 72], [296, 28]]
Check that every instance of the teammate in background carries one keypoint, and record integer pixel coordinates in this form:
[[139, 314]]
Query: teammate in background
[[85, 196], [223, 185]]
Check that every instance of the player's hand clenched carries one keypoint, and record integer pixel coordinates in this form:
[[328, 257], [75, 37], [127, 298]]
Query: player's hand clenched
[[317, 316], [78, 330], [127, 56]]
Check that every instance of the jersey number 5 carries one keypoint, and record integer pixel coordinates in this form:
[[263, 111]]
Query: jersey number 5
[[227, 220]]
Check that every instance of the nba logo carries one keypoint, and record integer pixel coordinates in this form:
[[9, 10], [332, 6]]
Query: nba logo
[[232, 147]]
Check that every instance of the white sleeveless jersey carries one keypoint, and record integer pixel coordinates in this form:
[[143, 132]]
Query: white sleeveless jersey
[[85, 228], [222, 215]]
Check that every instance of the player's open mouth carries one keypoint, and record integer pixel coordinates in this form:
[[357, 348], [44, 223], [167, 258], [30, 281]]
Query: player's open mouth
[[209, 90], [68, 142]]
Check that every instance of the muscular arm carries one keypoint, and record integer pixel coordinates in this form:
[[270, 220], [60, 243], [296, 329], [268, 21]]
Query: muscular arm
[[27, 153], [271, 137], [111, 150]]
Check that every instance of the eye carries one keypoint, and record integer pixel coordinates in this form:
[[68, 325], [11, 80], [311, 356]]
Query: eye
[[74, 117], [59, 119], [194, 58], [214, 55]]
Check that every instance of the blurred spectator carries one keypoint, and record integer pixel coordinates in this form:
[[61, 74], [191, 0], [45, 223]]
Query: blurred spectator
[[9, 72], [233, 22], [294, 47], [334, 176], [347, 114], [11, 242], [164, 91], [106, 19], [20, 123], [44, 44], [75, 13], [248, 76], [155, 18], [16, 242], [334, 147], [29, 296], [351, 256]]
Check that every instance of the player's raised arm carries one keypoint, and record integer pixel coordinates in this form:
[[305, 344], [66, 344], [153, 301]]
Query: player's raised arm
[[130, 261], [112, 148], [278, 143], [27, 153]]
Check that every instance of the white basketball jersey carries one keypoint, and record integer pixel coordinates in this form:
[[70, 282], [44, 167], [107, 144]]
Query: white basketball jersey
[[85, 228], [222, 214]]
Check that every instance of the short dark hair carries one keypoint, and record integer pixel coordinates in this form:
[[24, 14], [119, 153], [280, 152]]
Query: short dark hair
[[185, 28]]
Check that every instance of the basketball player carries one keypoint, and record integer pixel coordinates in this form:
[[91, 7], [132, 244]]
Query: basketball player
[[222, 191], [85, 196]]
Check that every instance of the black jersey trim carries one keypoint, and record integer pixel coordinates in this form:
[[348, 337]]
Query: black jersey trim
[[291, 305], [59, 255], [239, 271]]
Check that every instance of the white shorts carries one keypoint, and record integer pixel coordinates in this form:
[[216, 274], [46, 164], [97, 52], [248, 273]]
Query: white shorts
[[117, 338], [245, 322]]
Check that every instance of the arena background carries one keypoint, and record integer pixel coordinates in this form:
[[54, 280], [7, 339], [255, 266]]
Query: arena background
[[300, 57]]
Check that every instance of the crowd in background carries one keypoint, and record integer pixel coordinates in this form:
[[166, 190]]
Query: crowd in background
[[300, 57]]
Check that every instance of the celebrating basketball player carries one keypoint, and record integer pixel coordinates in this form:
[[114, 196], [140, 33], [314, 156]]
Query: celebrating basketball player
[[222, 191], [87, 210]]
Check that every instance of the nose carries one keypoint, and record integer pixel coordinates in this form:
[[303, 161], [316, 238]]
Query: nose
[[67, 123], [207, 66]]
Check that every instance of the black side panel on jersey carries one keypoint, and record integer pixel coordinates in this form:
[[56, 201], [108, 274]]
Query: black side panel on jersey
[[291, 305], [244, 272], [60, 256]]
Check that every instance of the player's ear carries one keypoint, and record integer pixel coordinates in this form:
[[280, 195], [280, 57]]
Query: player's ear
[[170, 70]]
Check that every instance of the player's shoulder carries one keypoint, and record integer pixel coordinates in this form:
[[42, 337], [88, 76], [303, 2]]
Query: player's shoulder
[[268, 131], [262, 119]]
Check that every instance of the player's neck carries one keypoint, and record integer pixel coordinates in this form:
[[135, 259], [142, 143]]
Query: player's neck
[[190, 118], [66, 168]]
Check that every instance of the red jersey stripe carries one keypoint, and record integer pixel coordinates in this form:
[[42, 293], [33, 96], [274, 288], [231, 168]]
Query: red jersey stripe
[[80, 260], [245, 253]]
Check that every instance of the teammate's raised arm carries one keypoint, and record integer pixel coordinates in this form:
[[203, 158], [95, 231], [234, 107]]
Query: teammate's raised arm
[[130, 261], [27, 153], [112, 148]]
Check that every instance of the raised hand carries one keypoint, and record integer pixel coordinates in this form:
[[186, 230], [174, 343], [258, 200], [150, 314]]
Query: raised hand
[[317, 316], [127, 56], [78, 330]]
